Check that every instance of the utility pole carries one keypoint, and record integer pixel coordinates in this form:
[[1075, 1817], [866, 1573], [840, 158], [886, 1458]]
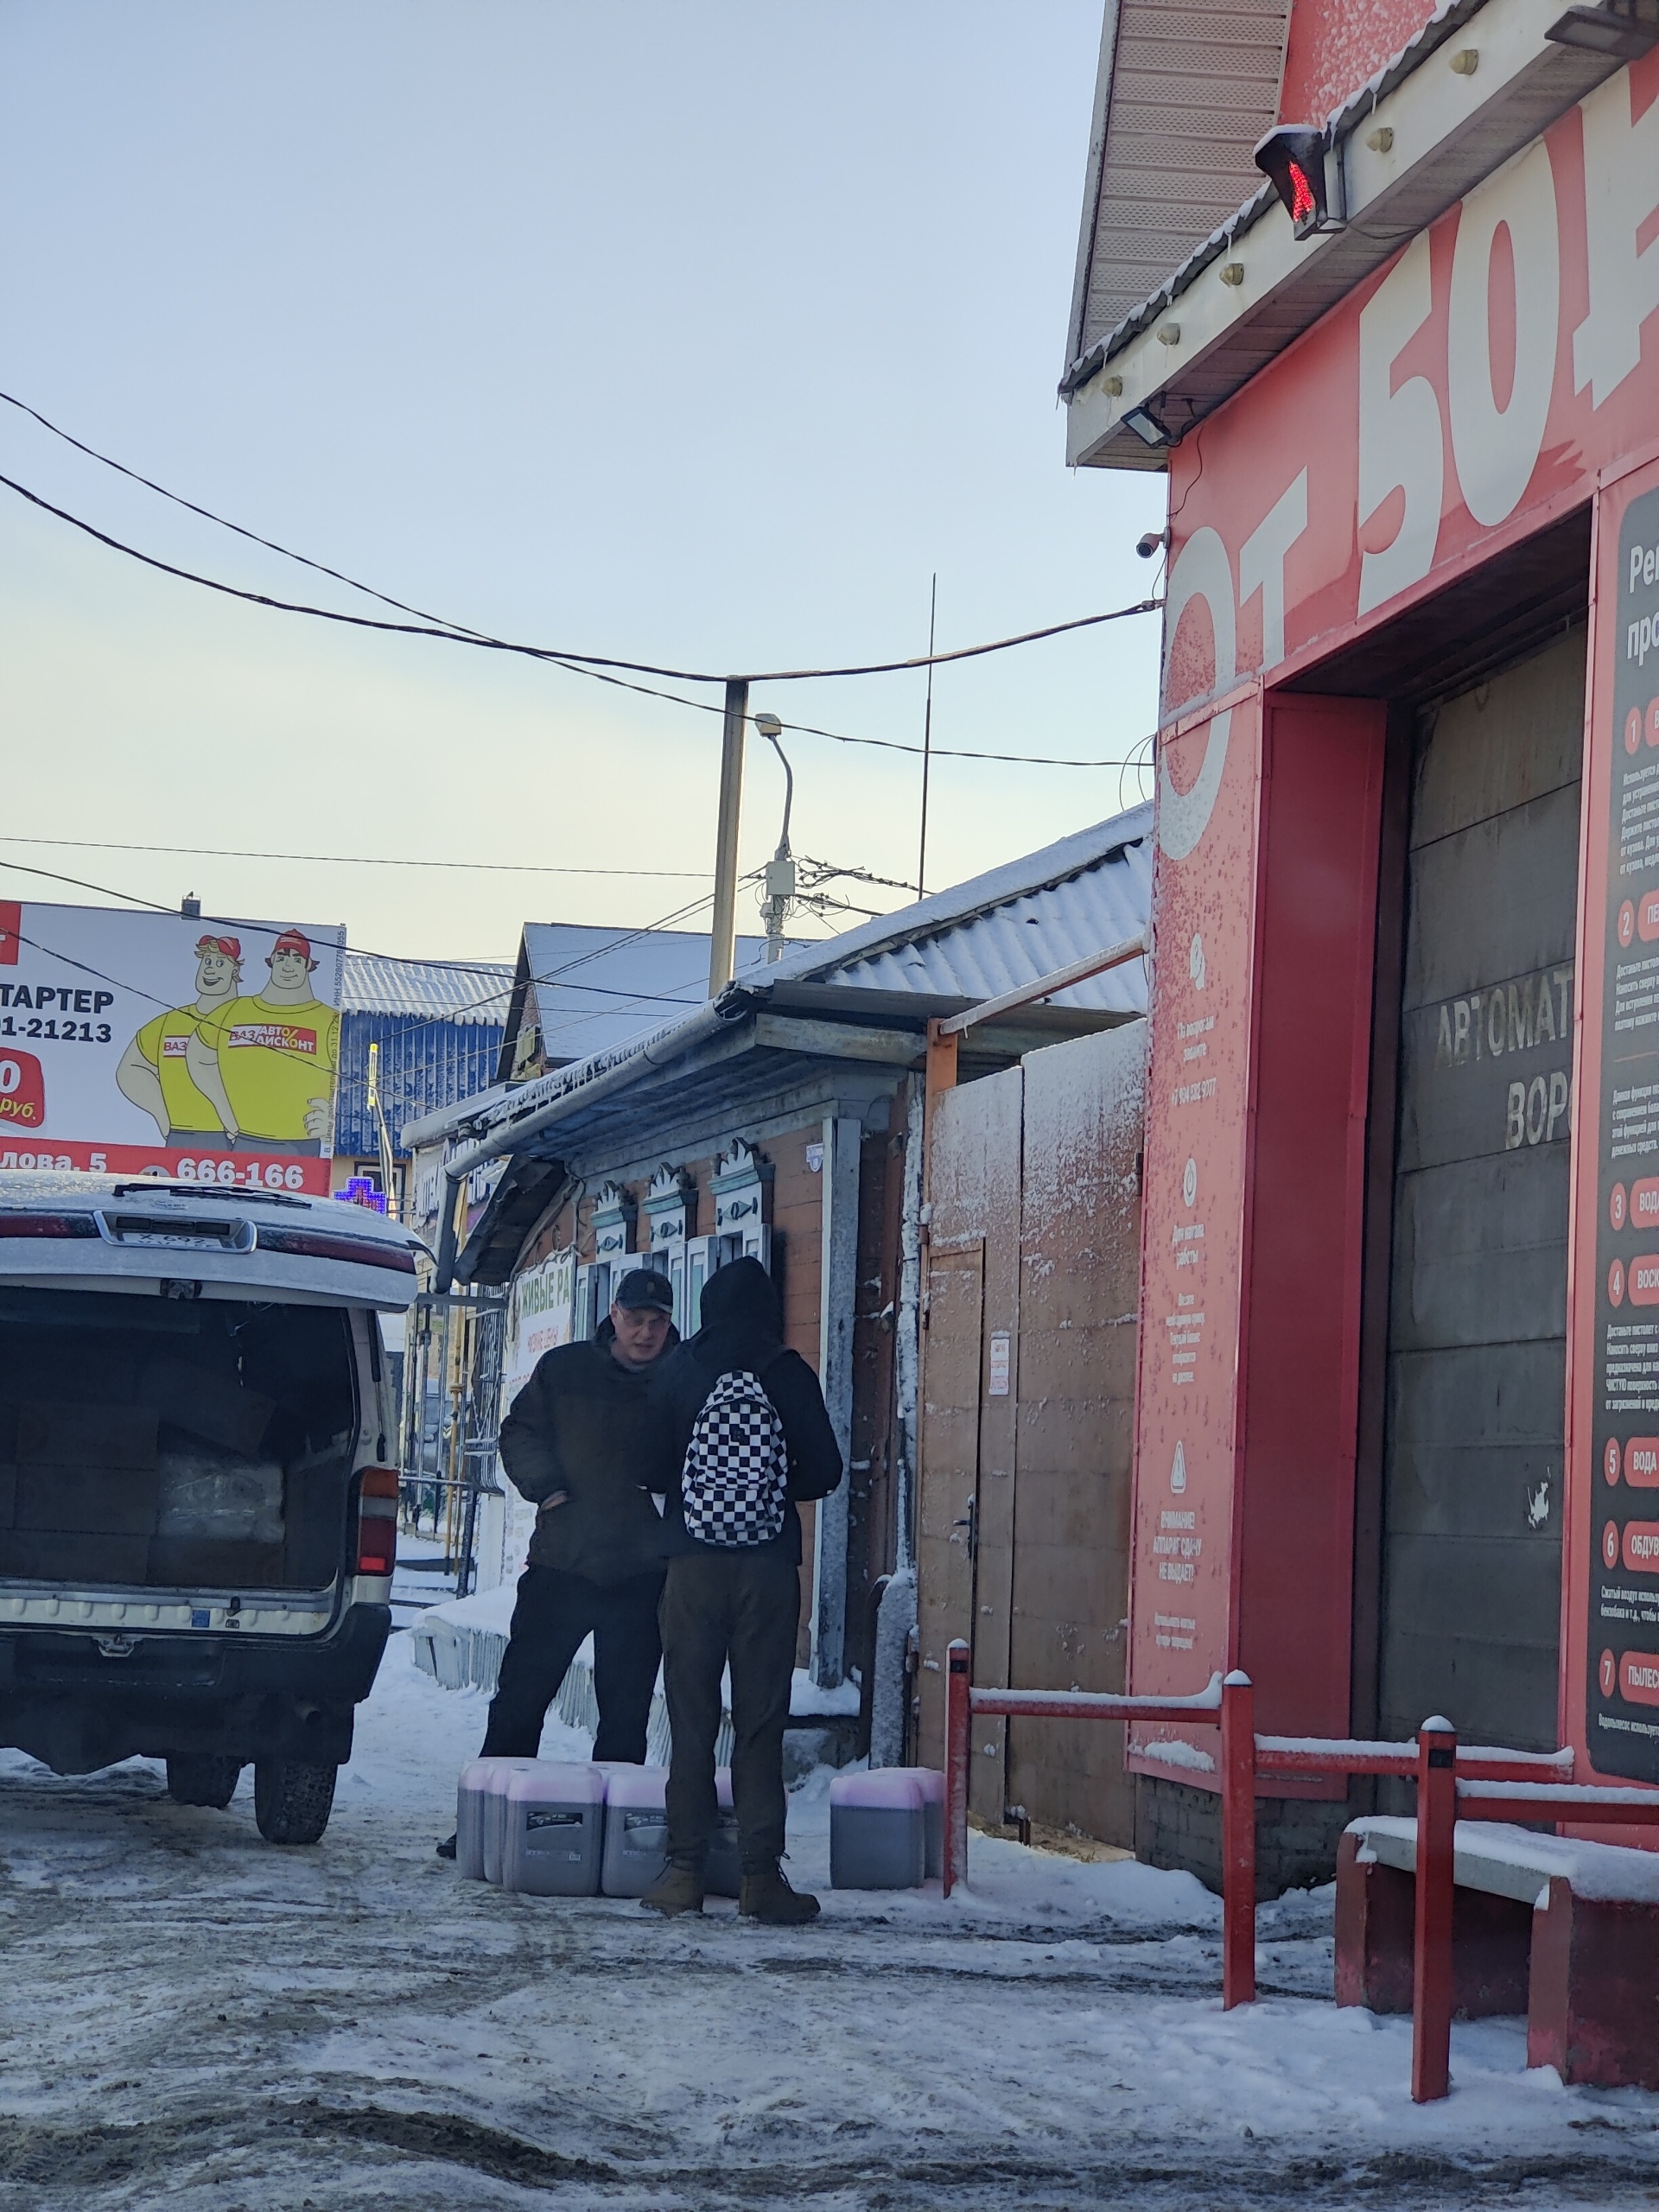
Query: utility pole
[[722, 943]]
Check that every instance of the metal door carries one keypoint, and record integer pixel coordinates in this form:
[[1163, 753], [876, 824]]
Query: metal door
[[1477, 1306], [947, 1536], [1080, 1251], [969, 1387]]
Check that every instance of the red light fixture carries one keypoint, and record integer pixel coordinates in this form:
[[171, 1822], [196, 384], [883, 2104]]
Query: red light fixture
[[1293, 158], [377, 1521]]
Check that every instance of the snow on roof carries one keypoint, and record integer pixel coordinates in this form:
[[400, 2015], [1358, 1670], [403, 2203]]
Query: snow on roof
[[456, 990], [1007, 927], [1011, 925]]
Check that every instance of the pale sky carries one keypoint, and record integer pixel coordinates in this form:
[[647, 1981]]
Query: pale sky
[[697, 333]]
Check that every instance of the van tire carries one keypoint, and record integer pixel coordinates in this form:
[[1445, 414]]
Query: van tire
[[292, 1799], [202, 1778]]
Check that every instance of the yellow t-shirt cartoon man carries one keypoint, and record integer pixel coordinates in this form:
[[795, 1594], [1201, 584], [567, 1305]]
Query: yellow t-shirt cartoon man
[[155, 1070], [269, 1062]]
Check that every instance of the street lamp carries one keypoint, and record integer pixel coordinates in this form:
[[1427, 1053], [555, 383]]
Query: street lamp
[[779, 896]]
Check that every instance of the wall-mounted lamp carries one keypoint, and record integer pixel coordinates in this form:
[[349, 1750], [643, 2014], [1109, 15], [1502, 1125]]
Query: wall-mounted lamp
[[1145, 426]]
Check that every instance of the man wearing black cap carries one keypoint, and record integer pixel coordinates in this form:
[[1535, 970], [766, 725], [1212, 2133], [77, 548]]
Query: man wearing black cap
[[576, 1445]]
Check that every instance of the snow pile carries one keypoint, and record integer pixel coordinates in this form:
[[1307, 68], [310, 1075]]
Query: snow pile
[[1519, 1862], [462, 1643]]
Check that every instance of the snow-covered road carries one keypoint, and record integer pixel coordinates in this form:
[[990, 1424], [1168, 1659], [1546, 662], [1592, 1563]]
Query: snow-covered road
[[190, 2018]]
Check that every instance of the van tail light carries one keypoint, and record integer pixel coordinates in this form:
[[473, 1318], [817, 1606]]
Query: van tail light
[[377, 1521]]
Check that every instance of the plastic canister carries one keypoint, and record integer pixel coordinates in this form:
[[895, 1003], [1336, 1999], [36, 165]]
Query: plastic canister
[[878, 1830], [635, 1830], [495, 1812], [472, 1800], [554, 1831]]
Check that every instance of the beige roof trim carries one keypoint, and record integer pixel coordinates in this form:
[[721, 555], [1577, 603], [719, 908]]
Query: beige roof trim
[[1184, 90]]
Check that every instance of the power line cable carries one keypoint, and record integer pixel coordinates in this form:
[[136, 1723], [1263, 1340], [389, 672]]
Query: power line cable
[[576, 664], [394, 959], [560, 656], [358, 860], [223, 522]]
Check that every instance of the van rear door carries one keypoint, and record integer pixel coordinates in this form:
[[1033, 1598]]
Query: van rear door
[[160, 1446]]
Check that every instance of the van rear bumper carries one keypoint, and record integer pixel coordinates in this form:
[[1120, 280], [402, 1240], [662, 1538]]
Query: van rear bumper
[[76, 1708]]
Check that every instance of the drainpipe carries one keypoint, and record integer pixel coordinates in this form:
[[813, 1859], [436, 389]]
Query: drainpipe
[[907, 1331], [895, 1622], [837, 1305]]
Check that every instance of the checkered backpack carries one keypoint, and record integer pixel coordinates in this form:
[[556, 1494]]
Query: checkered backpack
[[732, 1486]]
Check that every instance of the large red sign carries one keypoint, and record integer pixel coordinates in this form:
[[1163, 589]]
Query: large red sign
[[1264, 898], [1450, 405], [1192, 1237]]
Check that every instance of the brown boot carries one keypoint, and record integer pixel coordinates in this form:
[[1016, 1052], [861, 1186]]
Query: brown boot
[[680, 1890], [768, 1898]]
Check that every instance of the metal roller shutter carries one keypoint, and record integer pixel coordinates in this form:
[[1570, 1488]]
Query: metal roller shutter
[[1478, 1308]]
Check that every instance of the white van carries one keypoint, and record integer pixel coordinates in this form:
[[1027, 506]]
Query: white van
[[197, 1481]]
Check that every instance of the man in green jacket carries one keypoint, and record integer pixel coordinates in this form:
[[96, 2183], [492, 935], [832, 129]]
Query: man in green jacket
[[577, 1445]]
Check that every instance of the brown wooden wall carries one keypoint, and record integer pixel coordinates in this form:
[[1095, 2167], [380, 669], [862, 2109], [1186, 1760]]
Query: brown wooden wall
[[1034, 1232]]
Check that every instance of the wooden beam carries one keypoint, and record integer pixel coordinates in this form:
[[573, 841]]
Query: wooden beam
[[942, 1053], [1093, 963], [839, 1040]]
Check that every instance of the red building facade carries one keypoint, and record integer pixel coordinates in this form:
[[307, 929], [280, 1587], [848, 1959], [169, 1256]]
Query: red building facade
[[1397, 1421]]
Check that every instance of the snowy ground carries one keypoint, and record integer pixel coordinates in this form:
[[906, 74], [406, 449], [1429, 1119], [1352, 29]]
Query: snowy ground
[[191, 2018]]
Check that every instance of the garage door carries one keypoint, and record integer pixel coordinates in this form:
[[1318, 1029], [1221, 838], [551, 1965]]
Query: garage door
[[1477, 1306]]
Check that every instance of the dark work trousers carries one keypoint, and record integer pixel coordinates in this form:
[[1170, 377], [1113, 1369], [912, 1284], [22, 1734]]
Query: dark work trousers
[[744, 1607], [553, 1613]]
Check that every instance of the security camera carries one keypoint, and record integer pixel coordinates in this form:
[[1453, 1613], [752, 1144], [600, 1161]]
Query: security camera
[[1155, 541]]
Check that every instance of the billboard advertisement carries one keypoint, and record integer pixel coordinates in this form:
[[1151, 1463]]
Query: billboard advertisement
[[168, 1044], [1611, 1675]]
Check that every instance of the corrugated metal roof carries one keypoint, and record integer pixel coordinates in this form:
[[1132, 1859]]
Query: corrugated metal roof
[[1185, 91], [1012, 924], [461, 990], [1007, 927], [597, 987]]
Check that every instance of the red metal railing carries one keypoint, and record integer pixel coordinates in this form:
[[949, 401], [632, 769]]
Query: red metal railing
[[1454, 1782]]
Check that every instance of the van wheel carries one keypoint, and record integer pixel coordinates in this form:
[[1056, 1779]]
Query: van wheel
[[292, 1799], [202, 1778]]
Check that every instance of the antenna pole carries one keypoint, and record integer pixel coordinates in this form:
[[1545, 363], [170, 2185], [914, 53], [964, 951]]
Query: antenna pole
[[927, 739]]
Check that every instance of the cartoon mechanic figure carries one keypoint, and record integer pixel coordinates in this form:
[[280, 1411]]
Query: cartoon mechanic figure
[[269, 1062], [155, 1070]]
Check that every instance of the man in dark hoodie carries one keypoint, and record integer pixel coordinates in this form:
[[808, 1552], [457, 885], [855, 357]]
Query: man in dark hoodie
[[732, 1594], [577, 1445]]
